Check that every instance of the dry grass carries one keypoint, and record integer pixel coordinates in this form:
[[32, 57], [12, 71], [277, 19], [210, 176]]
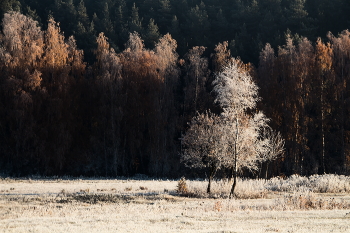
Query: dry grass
[[245, 189], [329, 183], [182, 187], [89, 205], [260, 188], [309, 200]]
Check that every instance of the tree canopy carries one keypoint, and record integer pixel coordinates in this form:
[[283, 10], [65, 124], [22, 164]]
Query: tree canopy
[[101, 87]]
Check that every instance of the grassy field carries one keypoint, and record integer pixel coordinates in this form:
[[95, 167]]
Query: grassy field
[[297, 204]]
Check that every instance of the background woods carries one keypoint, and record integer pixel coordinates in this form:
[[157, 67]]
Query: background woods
[[115, 97], [247, 25]]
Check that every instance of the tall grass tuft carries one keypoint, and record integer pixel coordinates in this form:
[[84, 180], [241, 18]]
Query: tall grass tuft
[[182, 188]]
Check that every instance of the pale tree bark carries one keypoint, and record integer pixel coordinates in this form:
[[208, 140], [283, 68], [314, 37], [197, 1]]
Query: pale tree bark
[[237, 93]]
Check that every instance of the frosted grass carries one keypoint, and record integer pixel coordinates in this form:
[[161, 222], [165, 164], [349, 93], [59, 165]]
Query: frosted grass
[[328, 183], [296, 204], [259, 188]]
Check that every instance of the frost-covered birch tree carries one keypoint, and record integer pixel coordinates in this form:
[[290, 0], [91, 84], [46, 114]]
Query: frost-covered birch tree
[[203, 144], [237, 95], [273, 147]]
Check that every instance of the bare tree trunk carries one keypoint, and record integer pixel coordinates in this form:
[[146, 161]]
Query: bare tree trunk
[[322, 129], [196, 92], [234, 181], [211, 176], [105, 154], [267, 168], [209, 185], [114, 138], [342, 116], [234, 169]]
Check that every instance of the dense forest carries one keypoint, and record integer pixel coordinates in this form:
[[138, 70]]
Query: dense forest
[[107, 87]]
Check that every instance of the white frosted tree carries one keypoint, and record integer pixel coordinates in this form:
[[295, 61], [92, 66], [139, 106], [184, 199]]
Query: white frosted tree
[[203, 144], [238, 138], [237, 95], [273, 147]]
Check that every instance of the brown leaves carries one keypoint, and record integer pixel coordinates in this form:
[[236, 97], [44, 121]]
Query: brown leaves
[[22, 40], [56, 50], [324, 55], [221, 57], [33, 81]]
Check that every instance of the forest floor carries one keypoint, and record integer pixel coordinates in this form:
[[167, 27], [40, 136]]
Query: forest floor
[[134, 205]]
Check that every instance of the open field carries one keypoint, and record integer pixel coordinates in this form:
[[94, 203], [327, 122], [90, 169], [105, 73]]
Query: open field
[[123, 205]]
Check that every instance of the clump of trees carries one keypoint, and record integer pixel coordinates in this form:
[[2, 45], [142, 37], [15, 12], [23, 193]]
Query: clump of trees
[[204, 145], [59, 116], [40, 70], [247, 25], [306, 86], [237, 138], [124, 110]]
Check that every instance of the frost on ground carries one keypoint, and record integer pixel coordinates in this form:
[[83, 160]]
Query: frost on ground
[[296, 204]]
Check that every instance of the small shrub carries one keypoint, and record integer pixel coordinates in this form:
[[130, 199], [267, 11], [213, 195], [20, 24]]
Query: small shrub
[[218, 206], [143, 188], [63, 192], [182, 186], [128, 189]]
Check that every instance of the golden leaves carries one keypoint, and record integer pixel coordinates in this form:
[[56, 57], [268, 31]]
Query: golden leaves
[[324, 55]]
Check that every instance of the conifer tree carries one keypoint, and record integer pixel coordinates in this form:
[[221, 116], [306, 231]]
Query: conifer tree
[[135, 22], [152, 34]]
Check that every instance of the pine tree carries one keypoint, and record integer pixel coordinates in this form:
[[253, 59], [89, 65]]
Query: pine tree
[[197, 26], [135, 23], [152, 34], [82, 15], [164, 12], [9, 5]]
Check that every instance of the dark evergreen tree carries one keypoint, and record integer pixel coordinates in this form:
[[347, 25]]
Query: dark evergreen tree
[[152, 34], [197, 26], [135, 22]]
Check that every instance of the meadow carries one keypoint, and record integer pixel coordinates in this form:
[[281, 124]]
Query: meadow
[[139, 204]]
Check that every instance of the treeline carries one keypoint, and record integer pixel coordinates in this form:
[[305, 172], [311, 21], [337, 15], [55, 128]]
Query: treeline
[[120, 116], [247, 25], [305, 90], [125, 112]]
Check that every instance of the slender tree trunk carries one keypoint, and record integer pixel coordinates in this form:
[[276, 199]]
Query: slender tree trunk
[[267, 168], [209, 185], [212, 172], [105, 153], [232, 193], [342, 117], [296, 147], [114, 138], [234, 170], [196, 92], [322, 129]]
